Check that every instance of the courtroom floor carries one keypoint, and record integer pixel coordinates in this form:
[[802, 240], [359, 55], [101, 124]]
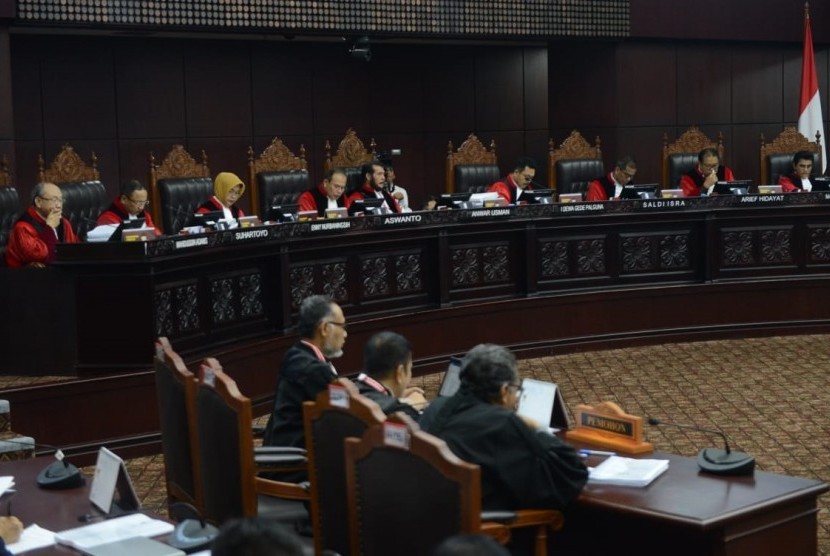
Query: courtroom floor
[[769, 395]]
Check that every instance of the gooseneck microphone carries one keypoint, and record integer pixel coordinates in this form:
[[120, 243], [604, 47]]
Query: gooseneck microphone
[[59, 474], [716, 460]]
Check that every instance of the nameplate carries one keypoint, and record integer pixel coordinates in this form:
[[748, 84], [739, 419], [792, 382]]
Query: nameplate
[[190, 242], [401, 219], [664, 204], [496, 212], [333, 225], [579, 208], [250, 234], [607, 425], [755, 200]]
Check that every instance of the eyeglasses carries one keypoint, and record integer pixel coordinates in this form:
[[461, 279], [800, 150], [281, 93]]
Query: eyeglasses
[[519, 388], [340, 324], [527, 177], [139, 203], [235, 192], [53, 200]]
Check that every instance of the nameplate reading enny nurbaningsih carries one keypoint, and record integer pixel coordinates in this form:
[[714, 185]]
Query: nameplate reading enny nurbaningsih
[[607, 425]]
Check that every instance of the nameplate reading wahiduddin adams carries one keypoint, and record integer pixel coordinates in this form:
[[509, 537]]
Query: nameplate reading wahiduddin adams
[[608, 426]]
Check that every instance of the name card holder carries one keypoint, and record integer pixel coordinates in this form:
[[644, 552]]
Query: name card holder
[[608, 426]]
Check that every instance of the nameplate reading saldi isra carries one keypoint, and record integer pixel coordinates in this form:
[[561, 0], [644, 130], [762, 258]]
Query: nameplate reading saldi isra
[[607, 425]]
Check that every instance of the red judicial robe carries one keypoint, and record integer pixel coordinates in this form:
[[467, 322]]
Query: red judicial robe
[[317, 199], [692, 182], [507, 189], [116, 214], [366, 191], [32, 240]]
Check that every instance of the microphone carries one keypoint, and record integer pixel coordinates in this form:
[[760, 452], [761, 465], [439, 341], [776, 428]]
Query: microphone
[[715, 460], [58, 475]]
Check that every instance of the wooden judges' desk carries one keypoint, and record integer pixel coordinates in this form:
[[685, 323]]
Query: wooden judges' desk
[[682, 513], [686, 512]]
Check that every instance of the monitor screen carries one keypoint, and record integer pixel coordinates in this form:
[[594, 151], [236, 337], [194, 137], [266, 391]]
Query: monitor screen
[[283, 213], [537, 196], [134, 224], [367, 205], [454, 200], [639, 191], [208, 218], [821, 184], [735, 187]]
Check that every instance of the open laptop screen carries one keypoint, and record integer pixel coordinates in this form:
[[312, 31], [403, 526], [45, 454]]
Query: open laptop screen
[[452, 379]]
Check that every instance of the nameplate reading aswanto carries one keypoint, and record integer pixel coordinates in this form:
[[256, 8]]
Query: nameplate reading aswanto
[[327, 226], [190, 242], [402, 219]]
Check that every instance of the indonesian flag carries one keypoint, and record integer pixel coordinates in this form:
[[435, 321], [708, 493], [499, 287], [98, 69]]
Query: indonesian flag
[[809, 112]]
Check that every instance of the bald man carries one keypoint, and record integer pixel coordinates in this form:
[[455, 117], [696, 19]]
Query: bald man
[[37, 232]]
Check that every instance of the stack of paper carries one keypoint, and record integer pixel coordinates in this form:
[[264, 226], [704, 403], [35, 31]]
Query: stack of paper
[[627, 471], [113, 530]]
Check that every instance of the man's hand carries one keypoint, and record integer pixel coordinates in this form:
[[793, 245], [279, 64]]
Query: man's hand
[[416, 400], [711, 179], [10, 529], [54, 219]]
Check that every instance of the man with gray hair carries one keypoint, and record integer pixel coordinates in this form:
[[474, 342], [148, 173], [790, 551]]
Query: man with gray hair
[[34, 236], [306, 369], [522, 464]]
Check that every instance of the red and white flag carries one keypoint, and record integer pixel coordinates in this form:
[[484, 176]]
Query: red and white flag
[[809, 110]]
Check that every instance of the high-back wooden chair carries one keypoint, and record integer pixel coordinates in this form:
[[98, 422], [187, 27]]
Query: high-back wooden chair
[[84, 196], [176, 392], [177, 187], [351, 154], [329, 420], [472, 167], [777, 156], [230, 487], [681, 155], [573, 165], [276, 177], [399, 477]]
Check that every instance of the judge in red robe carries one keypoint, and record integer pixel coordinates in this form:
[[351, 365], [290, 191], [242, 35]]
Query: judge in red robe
[[701, 179], [610, 186], [510, 189], [375, 175], [37, 232], [327, 195], [800, 179], [131, 204], [227, 190]]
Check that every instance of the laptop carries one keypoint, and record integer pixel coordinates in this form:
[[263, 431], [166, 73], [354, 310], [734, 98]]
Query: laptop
[[136, 546], [542, 401], [452, 379]]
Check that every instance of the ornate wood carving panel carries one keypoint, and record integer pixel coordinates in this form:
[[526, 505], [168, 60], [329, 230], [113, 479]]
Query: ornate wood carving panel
[[750, 247], [480, 265], [177, 310], [553, 259], [327, 278], [235, 297], [590, 256], [819, 245], [674, 252], [637, 254]]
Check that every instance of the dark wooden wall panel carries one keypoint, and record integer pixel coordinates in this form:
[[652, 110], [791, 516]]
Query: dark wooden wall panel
[[580, 84], [341, 98], [218, 89], [647, 89], [704, 91], [449, 92], [6, 103], [150, 90], [536, 88], [28, 106], [757, 86], [499, 89], [396, 92], [78, 89], [282, 81]]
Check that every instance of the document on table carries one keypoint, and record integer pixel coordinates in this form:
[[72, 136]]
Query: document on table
[[621, 471], [111, 530], [33, 537]]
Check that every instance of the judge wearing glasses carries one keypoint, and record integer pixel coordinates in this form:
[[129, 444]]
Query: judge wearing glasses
[[611, 186], [511, 188], [522, 464], [131, 204], [701, 179], [36, 233]]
